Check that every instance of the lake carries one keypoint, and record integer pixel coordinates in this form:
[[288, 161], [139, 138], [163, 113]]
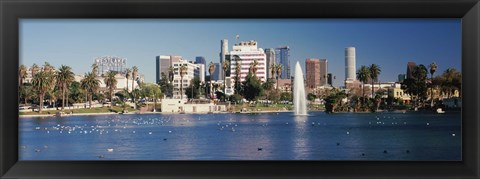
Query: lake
[[265, 136]]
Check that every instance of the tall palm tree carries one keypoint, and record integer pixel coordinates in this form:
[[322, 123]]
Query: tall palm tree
[[90, 84], [225, 67], [134, 75], [363, 75], [211, 70], [374, 73], [237, 76], [111, 83], [42, 82], [34, 69], [278, 68], [182, 70], [128, 74], [64, 77], [22, 74], [433, 68], [273, 70], [48, 68]]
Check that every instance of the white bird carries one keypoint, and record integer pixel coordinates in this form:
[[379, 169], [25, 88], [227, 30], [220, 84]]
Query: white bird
[[110, 150]]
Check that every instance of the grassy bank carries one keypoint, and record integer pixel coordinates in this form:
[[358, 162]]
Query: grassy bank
[[115, 109]]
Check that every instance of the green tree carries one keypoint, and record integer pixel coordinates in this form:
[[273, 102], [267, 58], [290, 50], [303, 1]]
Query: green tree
[[416, 86], [75, 93], [42, 82], [333, 100], [374, 73], [90, 84], [65, 77], [183, 71], [252, 87], [165, 86], [128, 74], [311, 97], [111, 83], [211, 70], [134, 75], [363, 75], [193, 88]]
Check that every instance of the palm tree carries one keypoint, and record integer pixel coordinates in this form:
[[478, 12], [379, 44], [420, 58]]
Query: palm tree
[[237, 76], [253, 67], [42, 82], [374, 73], [273, 70], [363, 74], [128, 74], [134, 75], [225, 66], [22, 74], [433, 68], [171, 73], [90, 84], [157, 92], [278, 68], [182, 70], [48, 68], [111, 83], [64, 77], [211, 70], [34, 69]]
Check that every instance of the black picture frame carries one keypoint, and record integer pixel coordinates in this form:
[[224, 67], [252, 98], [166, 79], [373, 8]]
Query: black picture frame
[[13, 10]]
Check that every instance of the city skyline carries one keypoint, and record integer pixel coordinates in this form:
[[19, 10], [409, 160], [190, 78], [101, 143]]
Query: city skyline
[[388, 43]]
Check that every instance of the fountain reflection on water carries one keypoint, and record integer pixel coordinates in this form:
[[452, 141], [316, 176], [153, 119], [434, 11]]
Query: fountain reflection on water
[[299, 98]]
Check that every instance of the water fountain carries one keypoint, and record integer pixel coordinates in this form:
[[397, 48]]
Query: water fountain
[[299, 98]]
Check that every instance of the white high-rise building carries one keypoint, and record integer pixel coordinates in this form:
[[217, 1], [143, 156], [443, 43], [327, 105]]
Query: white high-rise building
[[246, 53], [350, 67], [193, 70]]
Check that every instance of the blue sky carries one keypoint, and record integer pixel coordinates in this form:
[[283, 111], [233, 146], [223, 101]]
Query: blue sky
[[390, 43]]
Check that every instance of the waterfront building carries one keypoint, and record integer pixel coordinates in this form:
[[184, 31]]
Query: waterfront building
[[270, 56], [283, 58], [244, 54]]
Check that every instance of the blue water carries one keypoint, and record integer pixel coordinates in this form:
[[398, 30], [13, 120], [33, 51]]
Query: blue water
[[269, 136]]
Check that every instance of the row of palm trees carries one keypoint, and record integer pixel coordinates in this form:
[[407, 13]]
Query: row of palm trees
[[368, 73], [46, 79]]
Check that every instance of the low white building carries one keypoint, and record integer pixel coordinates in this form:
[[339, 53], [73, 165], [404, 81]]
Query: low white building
[[181, 106]]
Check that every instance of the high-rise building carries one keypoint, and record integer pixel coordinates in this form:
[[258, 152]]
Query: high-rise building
[[312, 71], [330, 79], [163, 63], [410, 67], [401, 78], [223, 54], [201, 60], [283, 58], [323, 72], [245, 53], [350, 66], [216, 74], [193, 70], [270, 56]]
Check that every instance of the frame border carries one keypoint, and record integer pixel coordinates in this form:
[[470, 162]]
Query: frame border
[[12, 10]]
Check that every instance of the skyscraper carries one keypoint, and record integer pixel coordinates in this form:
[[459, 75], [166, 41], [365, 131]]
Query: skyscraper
[[312, 71], [410, 67], [350, 66], [223, 53], [283, 58], [201, 60], [270, 56], [323, 72]]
